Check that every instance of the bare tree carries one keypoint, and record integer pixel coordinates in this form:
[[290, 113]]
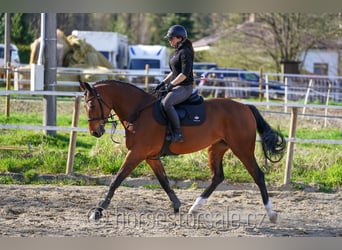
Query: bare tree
[[285, 35]]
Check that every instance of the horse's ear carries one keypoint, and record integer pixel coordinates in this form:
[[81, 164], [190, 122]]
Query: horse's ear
[[85, 86]]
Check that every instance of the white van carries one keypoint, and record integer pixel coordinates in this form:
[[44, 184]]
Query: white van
[[156, 56], [14, 56]]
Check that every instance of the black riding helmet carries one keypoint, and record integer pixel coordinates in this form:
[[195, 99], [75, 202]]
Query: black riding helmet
[[177, 31]]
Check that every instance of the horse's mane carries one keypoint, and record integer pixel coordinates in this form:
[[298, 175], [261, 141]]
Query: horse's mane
[[126, 84]]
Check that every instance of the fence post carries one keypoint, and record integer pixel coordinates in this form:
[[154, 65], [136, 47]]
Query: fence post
[[8, 87], [290, 146], [286, 94], [261, 94], [73, 136], [327, 105], [307, 95], [267, 92], [147, 68]]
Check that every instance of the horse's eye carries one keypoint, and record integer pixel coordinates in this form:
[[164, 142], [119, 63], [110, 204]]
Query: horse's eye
[[90, 105]]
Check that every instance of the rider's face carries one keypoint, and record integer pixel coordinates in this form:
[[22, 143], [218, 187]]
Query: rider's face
[[174, 40]]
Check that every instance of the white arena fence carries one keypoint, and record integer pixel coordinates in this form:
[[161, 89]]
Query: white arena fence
[[296, 87], [286, 87]]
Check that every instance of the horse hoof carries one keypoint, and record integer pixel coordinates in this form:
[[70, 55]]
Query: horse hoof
[[273, 217], [176, 206], [197, 205], [192, 211], [94, 214]]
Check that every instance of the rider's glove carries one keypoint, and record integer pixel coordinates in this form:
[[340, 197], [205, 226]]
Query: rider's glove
[[160, 85], [169, 87]]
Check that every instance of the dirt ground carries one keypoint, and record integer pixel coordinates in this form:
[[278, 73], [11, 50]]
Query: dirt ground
[[233, 210]]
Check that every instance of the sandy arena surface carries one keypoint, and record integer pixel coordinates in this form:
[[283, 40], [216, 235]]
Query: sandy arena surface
[[233, 210]]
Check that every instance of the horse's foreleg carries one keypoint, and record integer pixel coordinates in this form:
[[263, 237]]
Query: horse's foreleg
[[127, 167], [159, 171], [215, 156]]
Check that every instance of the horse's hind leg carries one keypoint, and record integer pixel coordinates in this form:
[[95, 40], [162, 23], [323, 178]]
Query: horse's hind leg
[[253, 169], [215, 156], [159, 171]]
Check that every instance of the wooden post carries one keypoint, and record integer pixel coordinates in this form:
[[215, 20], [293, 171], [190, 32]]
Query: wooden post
[[290, 146], [307, 95], [267, 92], [327, 105], [194, 83], [261, 94], [147, 68], [286, 94], [73, 136]]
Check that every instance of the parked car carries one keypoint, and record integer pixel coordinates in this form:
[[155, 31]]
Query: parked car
[[243, 83], [14, 55], [201, 67], [14, 58]]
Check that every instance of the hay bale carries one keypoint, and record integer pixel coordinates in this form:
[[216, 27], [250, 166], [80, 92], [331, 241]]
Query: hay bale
[[72, 52], [95, 74], [63, 48], [85, 56]]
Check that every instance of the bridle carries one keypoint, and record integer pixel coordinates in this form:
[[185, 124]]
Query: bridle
[[101, 103], [109, 119]]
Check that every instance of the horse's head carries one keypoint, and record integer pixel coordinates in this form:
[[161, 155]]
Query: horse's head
[[97, 110]]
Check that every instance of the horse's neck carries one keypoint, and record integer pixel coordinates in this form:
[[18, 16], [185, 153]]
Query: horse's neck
[[127, 100]]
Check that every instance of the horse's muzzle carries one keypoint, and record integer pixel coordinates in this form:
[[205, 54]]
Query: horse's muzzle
[[99, 131]]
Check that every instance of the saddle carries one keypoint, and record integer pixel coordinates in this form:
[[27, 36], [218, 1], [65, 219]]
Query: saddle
[[191, 112]]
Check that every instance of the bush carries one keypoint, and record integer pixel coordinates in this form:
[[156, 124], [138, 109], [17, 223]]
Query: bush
[[30, 176]]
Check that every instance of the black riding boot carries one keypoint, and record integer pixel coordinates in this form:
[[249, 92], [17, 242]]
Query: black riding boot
[[176, 135]]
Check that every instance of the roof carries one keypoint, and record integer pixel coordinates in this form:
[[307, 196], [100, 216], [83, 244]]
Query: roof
[[205, 42]]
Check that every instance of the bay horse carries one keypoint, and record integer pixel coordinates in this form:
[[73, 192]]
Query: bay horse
[[228, 125]]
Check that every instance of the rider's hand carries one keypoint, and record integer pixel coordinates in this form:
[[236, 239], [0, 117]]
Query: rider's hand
[[160, 85], [169, 87]]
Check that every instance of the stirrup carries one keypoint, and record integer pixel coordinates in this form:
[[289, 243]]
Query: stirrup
[[177, 137]]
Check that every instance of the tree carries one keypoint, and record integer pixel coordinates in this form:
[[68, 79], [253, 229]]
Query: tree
[[21, 30], [150, 28], [67, 22], [175, 18], [285, 35], [135, 25]]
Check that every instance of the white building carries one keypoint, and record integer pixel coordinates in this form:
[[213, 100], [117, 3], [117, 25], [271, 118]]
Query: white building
[[321, 61]]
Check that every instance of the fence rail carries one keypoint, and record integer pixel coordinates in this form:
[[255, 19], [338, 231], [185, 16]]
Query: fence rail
[[304, 91], [287, 87]]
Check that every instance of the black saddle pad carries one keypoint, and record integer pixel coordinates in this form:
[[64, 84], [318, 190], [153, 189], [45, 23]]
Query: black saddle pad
[[191, 112]]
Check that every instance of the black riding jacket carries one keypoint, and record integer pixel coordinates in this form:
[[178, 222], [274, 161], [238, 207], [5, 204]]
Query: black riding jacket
[[181, 61]]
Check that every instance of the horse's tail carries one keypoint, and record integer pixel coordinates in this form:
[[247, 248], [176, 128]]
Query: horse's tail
[[272, 141]]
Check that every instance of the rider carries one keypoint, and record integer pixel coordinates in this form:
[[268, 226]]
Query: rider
[[179, 82]]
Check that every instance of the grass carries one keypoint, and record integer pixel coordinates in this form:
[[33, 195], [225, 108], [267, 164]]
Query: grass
[[314, 164]]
